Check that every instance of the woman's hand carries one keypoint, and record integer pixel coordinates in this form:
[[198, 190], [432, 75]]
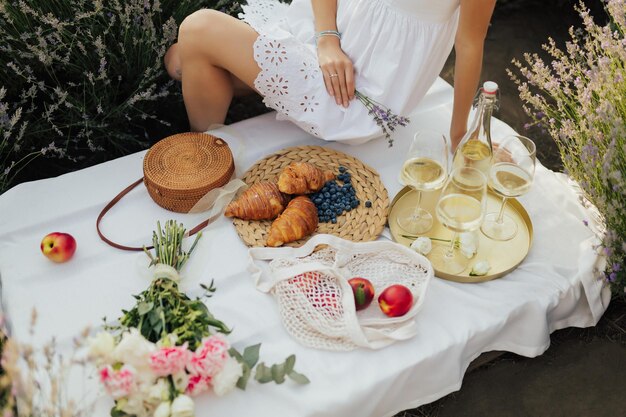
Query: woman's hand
[[337, 69]]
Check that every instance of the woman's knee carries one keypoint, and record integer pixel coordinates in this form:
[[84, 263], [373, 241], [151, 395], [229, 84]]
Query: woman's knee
[[201, 27]]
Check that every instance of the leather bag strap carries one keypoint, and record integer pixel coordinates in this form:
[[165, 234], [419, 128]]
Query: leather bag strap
[[117, 198]]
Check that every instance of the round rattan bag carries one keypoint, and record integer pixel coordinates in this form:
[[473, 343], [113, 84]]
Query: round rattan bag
[[181, 169]]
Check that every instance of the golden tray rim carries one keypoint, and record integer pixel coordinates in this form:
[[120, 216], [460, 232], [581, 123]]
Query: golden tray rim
[[512, 204]]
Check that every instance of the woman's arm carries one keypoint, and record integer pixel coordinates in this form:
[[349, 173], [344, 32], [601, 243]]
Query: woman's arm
[[336, 67], [468, 47]]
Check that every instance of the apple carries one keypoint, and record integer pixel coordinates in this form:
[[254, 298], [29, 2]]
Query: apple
[[58, 247], [363, 291], [312, 285], [396, 300]]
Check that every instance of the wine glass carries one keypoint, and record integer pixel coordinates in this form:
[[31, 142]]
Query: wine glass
[[461, 208], [511, 175], [425, 169]]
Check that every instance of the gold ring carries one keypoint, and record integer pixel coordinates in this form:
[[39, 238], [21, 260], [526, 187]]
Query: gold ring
[[334, 75]]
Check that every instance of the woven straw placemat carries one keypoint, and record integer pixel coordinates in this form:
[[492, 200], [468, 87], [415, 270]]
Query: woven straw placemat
[[359, 224]]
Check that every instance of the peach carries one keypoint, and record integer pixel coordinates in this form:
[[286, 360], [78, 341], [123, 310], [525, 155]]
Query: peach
[[58, 247]]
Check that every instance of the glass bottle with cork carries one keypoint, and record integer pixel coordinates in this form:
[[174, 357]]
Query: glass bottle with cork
[[475, 149]]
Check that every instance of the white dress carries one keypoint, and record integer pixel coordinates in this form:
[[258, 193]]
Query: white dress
[[398, 48]]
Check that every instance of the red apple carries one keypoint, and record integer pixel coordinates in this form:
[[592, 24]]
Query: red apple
[[396, 300], [312, 285], [58, 247], [363, 292]]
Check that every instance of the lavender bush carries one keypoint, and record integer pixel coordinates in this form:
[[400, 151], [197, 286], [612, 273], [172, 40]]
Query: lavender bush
[[83, 80], [580, 98]]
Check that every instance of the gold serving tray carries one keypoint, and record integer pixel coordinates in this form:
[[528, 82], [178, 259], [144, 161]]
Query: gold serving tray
[[503, 257]]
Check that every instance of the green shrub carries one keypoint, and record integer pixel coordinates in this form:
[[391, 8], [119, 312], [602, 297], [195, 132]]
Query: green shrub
[[83, 80]]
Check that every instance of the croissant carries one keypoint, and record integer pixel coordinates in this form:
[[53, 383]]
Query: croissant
[[297, 221], [302, 178], [262, 201]]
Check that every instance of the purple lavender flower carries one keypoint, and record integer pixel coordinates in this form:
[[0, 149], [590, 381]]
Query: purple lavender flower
[[383, 116]]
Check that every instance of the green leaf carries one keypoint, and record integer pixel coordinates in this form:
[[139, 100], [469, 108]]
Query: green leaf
[[298, 378], [289, 363], [234, 353], [278, 373], [263, 374], [242, 382], [144, 307], [251, 355], [117, 413]]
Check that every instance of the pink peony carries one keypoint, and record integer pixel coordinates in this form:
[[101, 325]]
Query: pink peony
[[118, 383], [209, 357], [197, 385], [169, 360]]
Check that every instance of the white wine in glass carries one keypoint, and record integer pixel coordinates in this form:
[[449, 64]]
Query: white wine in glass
[[461, 208], [425, 169], [511, 175]]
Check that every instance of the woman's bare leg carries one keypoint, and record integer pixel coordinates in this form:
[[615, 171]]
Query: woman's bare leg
[[215, 51]]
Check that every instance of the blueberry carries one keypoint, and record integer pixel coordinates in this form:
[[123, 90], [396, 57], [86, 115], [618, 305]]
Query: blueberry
[[368, 204], [342, 168], [324, 206], [333, 220], [326, 194]]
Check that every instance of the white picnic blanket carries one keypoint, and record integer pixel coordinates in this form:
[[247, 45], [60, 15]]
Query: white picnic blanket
[[556, 286]]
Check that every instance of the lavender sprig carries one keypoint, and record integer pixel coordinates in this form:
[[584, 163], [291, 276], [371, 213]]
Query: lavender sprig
[[383, 116]]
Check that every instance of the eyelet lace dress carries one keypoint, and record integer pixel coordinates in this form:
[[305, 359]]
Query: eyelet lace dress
[[398, 48]]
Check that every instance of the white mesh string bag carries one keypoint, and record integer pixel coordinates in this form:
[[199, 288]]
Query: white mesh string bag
[[315, 300]]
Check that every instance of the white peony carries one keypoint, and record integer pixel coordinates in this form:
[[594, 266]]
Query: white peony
[[226, 380], [422, 245], [133, 405], [158, 391], [182, 407], [181, 380], [101, 346], [480, 268], [468, 243], [134, 350], [163, 410]]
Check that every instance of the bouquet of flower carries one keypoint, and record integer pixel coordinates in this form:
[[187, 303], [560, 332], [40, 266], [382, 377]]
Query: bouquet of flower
[[169, 348], [579, 99]]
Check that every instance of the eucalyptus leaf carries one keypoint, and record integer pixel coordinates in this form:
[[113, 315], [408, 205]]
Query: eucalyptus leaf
[[298, 378], [278, 373], [263, 374], [289, 363], [251, 355], [242, 382], [234, 353]]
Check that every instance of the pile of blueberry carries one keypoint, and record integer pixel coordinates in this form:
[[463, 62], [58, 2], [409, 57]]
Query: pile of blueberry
[[335, 199]]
